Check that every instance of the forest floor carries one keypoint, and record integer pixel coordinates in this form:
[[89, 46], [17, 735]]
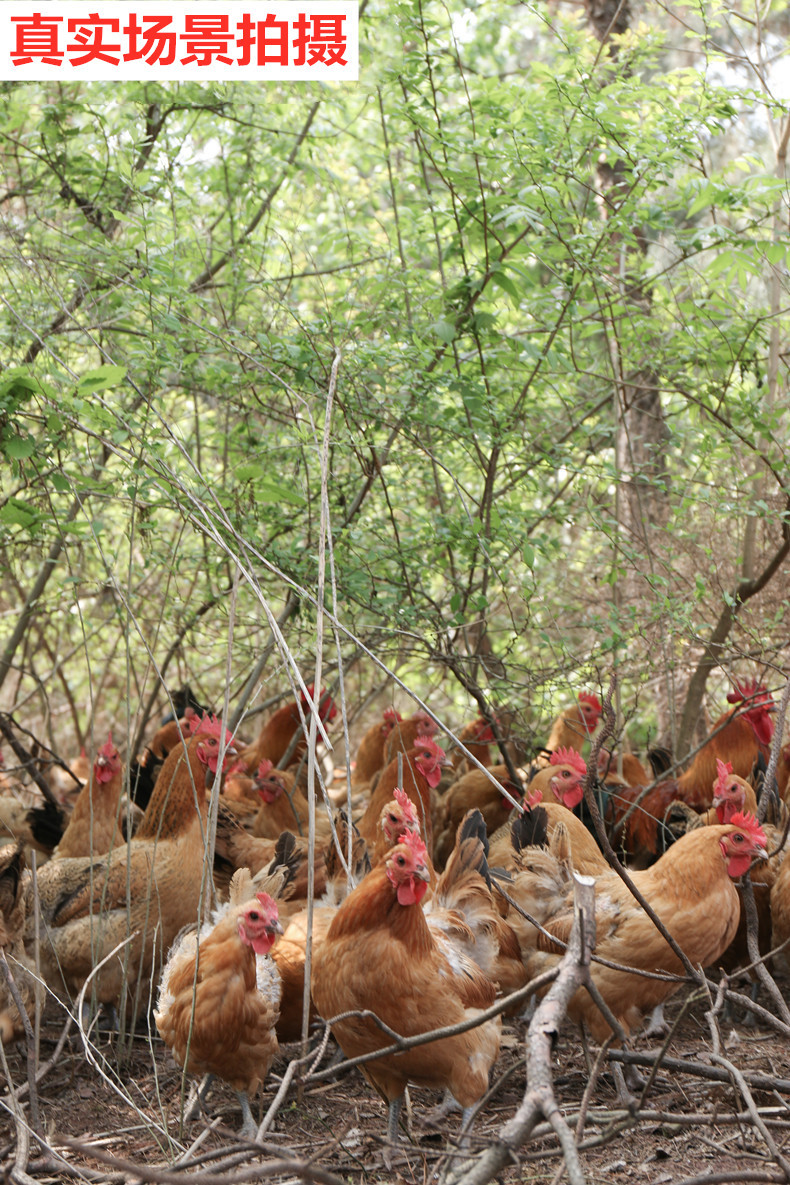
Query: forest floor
[[687, 1128]]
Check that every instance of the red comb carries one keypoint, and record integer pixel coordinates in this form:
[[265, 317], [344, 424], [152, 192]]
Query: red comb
[[265, 768], [569, 757], [108, 748], [586, 697], [723, 769], [748, 823], [392, 716], [209, 725], [412, 841], [747, 690], [327, 709], [406, 805], [429, 745]]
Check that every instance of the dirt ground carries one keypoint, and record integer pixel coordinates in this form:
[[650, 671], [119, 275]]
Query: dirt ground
[[125, 1106]]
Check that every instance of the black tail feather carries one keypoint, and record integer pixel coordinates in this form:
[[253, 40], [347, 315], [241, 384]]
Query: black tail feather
[[530, 829]]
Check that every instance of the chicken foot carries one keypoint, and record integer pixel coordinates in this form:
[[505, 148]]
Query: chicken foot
[[197, 1096], [249, 1128], [393, 1135]]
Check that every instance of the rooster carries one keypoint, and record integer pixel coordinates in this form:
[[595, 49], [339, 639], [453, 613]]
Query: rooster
[[219, 997], [380, 955], [138, 897], [690, 888], [94, 826], [739, 736]]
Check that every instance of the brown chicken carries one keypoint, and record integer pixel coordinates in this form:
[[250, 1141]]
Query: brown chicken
[[583, 852], [289, 952], [139, 896], [405, 734], [690, 888], [380, 954], [237, 848], [474, 789], [274, 739], [780, 913], [284, 806], [562, 780], [477, 736], [463, 916], [422, 770], [370, 754], [219, 999], [574, 726], [12, 925], [94, 826], [739, 736]]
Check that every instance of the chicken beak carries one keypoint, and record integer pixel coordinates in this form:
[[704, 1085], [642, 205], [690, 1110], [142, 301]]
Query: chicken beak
[[422, 873], [275, 928], [760, 853]]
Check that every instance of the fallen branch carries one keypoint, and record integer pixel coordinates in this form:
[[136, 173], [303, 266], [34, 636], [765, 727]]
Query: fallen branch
[[539, 1097]]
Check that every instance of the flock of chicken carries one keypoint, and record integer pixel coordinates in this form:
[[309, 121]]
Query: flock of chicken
[[450, 885]]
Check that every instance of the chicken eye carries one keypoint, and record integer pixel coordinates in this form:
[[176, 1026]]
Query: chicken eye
[[737, 838], [253, 916], [401, 861]]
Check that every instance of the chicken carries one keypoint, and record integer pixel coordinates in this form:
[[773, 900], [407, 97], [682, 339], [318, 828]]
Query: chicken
[[40, 827], [284, 806], [690, 888], [422, 769], [12, 924], [477, 736], [730, 794], [562, 780], [574, 726], [738, 736], [780, 914], [405, 734], [370, 753], [289, 952], [274, 739], [463, 916], [397, 816], [140, 895], [219, 998], [460, 904], [94, 826], [474, 789], [238, 849], [380, 954], [583, 852], [144, 770]]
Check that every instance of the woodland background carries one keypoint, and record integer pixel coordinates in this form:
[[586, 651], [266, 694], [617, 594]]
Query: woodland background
[[485, 355]]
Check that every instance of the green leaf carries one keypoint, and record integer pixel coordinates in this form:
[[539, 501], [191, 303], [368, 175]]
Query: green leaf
[[102, 379], [445, 331], [18, 513], [18, 448]]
